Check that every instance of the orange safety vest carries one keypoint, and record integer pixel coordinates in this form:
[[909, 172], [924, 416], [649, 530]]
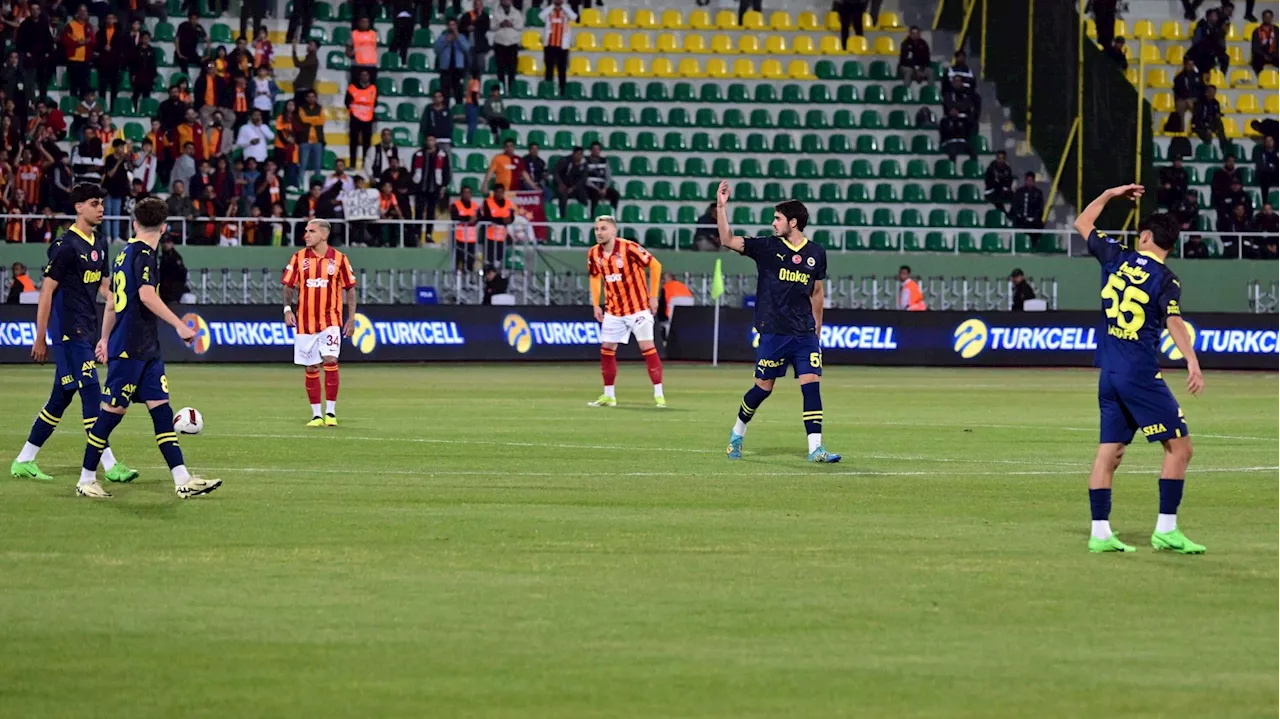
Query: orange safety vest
[[915, 298], [25, 281], [674, 289], [498, 233], [365, 43], [466, 234], [363, 102]]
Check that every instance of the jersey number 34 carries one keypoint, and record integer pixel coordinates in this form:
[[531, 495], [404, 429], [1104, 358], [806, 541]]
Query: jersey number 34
[[1125, 303]]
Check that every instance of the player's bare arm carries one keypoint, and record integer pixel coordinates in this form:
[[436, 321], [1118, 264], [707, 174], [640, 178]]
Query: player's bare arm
[[726, 236], [349, 327], [44, 307], [108, 321], [289, 319], [152, 301], [1087, 219], [1182, 338], [817, 300]]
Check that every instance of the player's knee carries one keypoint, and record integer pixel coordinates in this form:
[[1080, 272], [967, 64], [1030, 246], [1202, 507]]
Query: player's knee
[[331, 361], [313, 368], [765, 384], [1181, 449]]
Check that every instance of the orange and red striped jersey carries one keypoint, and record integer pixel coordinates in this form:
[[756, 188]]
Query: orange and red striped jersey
[[321, 280], [29, 183], [626, 281], [557, 24]]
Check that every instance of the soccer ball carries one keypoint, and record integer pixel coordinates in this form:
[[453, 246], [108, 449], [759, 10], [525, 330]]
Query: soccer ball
[[188, 421]]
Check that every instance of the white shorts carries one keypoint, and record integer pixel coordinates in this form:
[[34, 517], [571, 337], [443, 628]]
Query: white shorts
[[620, 329], [308, 349]]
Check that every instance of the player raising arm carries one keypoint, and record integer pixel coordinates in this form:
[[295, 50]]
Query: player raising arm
[[789, 300], [1140, 295]]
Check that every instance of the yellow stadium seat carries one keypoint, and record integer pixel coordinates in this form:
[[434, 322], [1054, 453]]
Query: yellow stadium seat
[[803, 45], [668, 43], [1173, 55], [1233, 33], [1158, 79], [1217, 79], [749, 45], [662, 67], [700, 20], [890, 21], [531, 40], [885, 46], [1173, 30], [326, 87], [283, 61], [720, 45], [645, 19], [530, 65], [1151, 54], [1232, 129], [727, 20], [336, 139], [1163, 102], [744, 68], [1091, 29], [1132, 76], [1247, 104], [585, 41], [1224, 101], [1272, 105], [580, 67], [772, 70], [1243, 78], [808, 21], [832, 21], [673, 20], [590, 17], [608, 67], [689, 67], [1269, 80], [285, 86], [858, 45], [613, 42], [634, 67], [1122, 28], [1145, 30], [828, 45], [639, 42], [800, 70], [781, 21], [867, 23], [753, 20], [718, 68], [775, 45], [618, 18], [1236, 54]]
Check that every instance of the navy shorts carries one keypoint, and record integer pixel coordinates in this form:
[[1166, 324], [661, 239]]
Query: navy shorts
[[1129, 404], [75, 365], [130, 380], [776, 352]]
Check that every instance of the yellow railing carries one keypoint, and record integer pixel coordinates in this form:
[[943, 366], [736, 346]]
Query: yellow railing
[[1062, 165], [964, 28]]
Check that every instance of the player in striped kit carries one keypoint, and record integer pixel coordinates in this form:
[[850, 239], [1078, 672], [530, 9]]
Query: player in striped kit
[[323, 278], [630, 304]]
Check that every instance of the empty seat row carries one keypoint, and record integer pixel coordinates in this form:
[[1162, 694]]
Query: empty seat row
[[1169, 30], [780, 20], [914, 193], [720, 44], [709, 118], [1245, 104], [1161, 79]]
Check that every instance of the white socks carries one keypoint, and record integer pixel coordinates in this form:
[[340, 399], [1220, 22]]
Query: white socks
[[329, 404], [315, 410], [657, 390], [1101, 529], [815, 441], [28, 453], [1166, 522], [740, 428], [108, 459], [87, 476], [608, 391], [180, 475]]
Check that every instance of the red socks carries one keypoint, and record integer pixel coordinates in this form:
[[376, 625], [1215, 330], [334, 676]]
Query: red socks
[[330, 383], [608, 366], [313, 387], [653, 364]]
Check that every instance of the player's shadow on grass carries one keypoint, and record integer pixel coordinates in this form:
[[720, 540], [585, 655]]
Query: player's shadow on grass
[[650, 408]]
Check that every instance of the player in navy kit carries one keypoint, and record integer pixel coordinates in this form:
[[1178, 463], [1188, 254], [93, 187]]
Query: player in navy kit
[[131, 348], [789, 299], [1140, 297], [68, 312]]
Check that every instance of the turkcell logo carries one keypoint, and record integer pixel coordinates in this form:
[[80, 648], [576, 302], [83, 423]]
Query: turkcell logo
[[17, 334], [522, 335], [972, 337], [1220, 341], [853, 337], [251, 334], [404, 333]]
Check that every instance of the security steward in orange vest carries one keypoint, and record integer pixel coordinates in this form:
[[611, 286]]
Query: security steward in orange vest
[[465, 213], [910, 297], [21, 283], [363, 49], [362, 98], [498, 212]]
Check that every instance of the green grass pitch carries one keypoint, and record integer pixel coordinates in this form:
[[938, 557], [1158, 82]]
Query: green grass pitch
[[474, 541]]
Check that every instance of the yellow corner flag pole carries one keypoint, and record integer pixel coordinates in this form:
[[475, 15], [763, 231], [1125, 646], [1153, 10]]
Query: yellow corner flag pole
[[717, 290]]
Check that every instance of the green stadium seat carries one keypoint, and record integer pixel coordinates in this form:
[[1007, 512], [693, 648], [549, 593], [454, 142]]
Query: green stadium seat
[[738, 93], [702, 142], [639, 166], [696, 167], [811, 143], [967, 218], [779, 168], [992, 242], [940, 194], [542, 115], [766, 93], [134, 132], [730, 142], [745, 192], [674, 142], [682, 92], [407, 112], [336, 60], [825, 240], [829, 192], [844, 120], [902, 95], [939, 218], [853, 241], [899, 120], [866, 145], [826, 70], [815, 120], [862, 170], [164, 32], [884, 241], [422, 38], [847, 95], [913, 193], [880, 70], [874, 94], [757, 143], [981, 144], [629, 92], [935, 241], [668, 167], [569, 115], [390, 61], [922, 145], [742, 216], [807, 169], [123, 107], [802, 191], [855, 217], [886, 193], [656, 92], [660, 213], [476, 163], [690, 192], [995, 218], [917, 169], [706, 117], [911, 241], [646, 141], [634, 190], [929, 95], [341, 35], [602, 92], [656, 237], [678, 117], [733, 118], [966, 242], [624, 117], [858, 193], [723, 167], [894, 145], [220, 33], [969, 194], [596, 117], [538, 137], [852, 70], [834, 170], [890, 170], [547, 90], [382, 113], [590, 137], [572, 90], [760, 119], [412, 87], [766, 215], [1022, 244], [663, 191], [710, 92], [774, 192], [792, 95], [871, 120], [790, 119], [784, 143]]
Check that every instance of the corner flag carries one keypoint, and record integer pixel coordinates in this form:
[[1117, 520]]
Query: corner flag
[[717, 282]]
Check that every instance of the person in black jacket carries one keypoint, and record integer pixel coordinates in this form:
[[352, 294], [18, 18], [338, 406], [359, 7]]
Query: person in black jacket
[[173, 272], [851, 12], [999, 181], [1227, 203], [1173, 183], [1028, 206], [185, 47], [143, 69], [432, 172], [1206, 120], [475, 25], [1267, 165], [1104, 17], [1195, 249], [959, 68], [437, 121], [914, 62], [1187, 210], [1188, 88], [1221, 179], [494, 284], [954, 132], [1263, 43], [1116, 52], [112, 56], [1022, 290], [36, 45]]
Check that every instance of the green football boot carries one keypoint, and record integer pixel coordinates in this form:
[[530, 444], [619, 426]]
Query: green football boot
[[660, 402], [1110, 544], [604, 400], [1175, 541], [27, 470], [121, 473]]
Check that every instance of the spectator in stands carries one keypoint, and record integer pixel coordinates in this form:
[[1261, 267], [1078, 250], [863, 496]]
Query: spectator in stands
[[255, 138], [382, 154], [361, 100], [474, 24], [171, 111], [1266, 221], [1234, 243], [1028, 206], [77, 46], [86, 157], [1116, 52], [503, 167], [1022, 290], [494, 111], [21, 283], [705, 237], [437, 121], [1104, 18], [34, 41], [1209, 44], [143, 69], [508, 24], [304, 12], [186, 42], [363, 50], [999, 181], [1190, 8], [184, 168], [571, 179], [1267, 165], [1264, 42], [557, 33], [1187, 210], [959, 68], [432, 174], [145, 166], [251, 14], [914, 62], [451, 60], [600, 179], [115, 181], [964, 101], [533, 173], [264, 52], [113, 52], [954, 132], [1227, 204], [1195, 248], [240, 60], [910, 297], [850, 12], [308, 67], [1188, 88], [494, 284], [1222, 179], [1206, 119], [465, 214], [218, 138], [264, 91], [173, 272], [239, 101], [1173, 183], [210, 90], [310, 132], [402, 28], [401, 184], [499, 211], [178, 202]]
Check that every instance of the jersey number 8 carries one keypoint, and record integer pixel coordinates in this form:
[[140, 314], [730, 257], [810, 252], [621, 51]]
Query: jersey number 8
[[1130, 303], [117, 291]]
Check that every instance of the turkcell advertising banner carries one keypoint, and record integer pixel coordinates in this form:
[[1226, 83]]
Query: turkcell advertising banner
[[254, 333], [1024, 339]]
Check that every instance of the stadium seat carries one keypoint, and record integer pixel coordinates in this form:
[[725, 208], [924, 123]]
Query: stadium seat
[[803, 45], [717, 68], [800, 70], [1243, 78], [781, 21], [673, 20], [1145, 30], [776, 45], [1173, 55], [1272, 105], [589, 17], [639, 42], [580, 67], [745, 69], [749, 45], [662, 67], [885, 46], [726, 20], [692, 44], [1151, 55], [1269, 80], [631, 67], [858, 45], [700, 20], [1173, 30], [1159, 79], [608, 67], [645, 19], [753, 20], [690, 68]]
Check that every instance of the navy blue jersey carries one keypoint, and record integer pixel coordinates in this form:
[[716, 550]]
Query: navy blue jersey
[[1138, 293], [77, 263], [134, 335], [786, 277]]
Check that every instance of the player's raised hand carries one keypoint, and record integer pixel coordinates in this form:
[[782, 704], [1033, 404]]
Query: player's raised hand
[[40, 350], [289, 319], [1195, 381], [1128, 192], [722, 194], [599, 313], [100, 351]]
